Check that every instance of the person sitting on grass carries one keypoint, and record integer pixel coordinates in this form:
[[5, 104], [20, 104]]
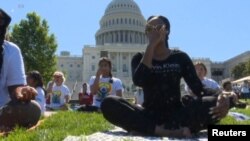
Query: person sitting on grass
[[208, 83], [102, 85], [35, 80], [59, 94], [245, 90], [85, 97], [17, 105], [159, 71], [228, 89]]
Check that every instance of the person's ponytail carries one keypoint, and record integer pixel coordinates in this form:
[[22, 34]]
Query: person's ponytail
[[111, 77]]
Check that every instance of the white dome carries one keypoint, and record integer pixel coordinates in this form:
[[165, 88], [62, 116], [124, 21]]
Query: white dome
[[122, 23], [122, 6]]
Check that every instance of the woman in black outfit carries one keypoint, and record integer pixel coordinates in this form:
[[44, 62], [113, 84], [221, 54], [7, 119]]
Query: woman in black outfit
[[159, 71]]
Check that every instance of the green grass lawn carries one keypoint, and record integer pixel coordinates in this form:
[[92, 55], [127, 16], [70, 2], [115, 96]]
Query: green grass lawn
[[231, 120], [60, 125]]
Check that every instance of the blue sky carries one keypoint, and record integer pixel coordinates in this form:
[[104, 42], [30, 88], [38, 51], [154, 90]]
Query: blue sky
[[215, 29]]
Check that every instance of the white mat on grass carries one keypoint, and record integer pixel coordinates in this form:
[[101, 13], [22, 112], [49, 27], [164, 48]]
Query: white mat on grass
[[239, 116], [119, 134]]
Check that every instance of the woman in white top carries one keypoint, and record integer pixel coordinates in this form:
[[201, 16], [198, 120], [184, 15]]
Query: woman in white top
[[58, 92], [103, 84], [35, 80], [209, 84]]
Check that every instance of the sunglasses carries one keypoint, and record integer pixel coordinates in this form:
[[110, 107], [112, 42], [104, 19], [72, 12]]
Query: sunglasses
[[149, 28]]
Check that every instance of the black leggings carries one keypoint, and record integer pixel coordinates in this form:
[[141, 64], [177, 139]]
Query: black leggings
[[194, 114], [88, 108]]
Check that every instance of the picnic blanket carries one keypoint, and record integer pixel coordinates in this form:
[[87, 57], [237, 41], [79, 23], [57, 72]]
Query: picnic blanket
[[119, 134], [239, 116]]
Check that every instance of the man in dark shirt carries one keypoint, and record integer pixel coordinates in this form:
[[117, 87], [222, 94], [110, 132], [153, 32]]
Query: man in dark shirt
[[159, 71]]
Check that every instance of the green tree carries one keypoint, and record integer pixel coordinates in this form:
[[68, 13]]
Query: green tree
[[239, 70], [248, 67], [38, 47]]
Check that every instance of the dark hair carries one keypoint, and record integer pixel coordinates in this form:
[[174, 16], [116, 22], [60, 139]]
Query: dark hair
[[4, 22], [165, 21], [106, 59], [226, 83], [37, 77], [84, 84]]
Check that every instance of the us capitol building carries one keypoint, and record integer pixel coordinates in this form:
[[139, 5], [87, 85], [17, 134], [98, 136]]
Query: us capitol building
[[121, 35]]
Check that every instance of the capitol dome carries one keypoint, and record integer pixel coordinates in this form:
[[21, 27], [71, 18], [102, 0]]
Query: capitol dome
[[122, 23]]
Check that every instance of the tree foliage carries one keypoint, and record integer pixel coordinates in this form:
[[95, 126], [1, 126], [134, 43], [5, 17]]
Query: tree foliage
[[248, 67], [239, 70], [37, 45]]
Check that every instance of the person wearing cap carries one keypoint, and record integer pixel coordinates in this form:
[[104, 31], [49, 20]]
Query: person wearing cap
[[58, 92], [159, 71], [17, 105]]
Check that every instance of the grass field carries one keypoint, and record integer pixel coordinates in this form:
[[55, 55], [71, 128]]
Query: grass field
[[60, 125], [231, 120]]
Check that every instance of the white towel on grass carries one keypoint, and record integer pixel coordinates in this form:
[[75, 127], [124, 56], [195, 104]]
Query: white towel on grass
[[119, 134], [239, 116]]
